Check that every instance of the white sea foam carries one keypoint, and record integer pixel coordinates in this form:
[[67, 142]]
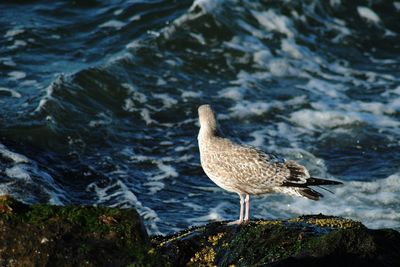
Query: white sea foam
[[258, 138], [14, 32], [103, 120], [135, 44], [48, 96], [174, 63], [340, 26], [168, 101], [160, 81], [118, 12], [55, 36], [130, 88], [16, 75], [17, 44], [256, 32], [197, 9], [207, 6], [154, 186], [247, 43], [8, 61], [193, 206], [32, 83], [382, 61], [190, 94], [18, 172], [332, 90], [246, 79], [376, 108], [281, 67], [374, 203], [116, 24], [261, 57], [153, 33], [199, 38], [23, 170], [182, 148], [393, 105], [234, 93], [313, 120], [124, 195], [135, 18], [274, 22], [134, 95], [155, 182], [291, 48], [13, 93], [214, 214], [390, 93], [15, 157], [368, 14], [246, 108], [145, 113], [5, 189]]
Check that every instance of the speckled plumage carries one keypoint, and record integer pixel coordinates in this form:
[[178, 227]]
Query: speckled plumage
[[248, 171]]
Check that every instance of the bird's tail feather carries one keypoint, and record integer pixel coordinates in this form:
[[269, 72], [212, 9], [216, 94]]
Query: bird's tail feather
[[318, 181], [309, 193], [326, 189], [312, 181]]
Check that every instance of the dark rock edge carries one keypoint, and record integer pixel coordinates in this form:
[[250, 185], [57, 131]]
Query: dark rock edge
[[46, 235]]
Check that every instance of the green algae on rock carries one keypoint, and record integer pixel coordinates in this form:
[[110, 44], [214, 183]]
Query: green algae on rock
[[45, 235], [314, 240]]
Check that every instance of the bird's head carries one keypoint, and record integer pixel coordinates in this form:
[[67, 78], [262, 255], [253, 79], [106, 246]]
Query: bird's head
[[207, 120]]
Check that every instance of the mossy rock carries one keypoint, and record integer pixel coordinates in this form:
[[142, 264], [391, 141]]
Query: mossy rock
[[45, 235], [315, 240]]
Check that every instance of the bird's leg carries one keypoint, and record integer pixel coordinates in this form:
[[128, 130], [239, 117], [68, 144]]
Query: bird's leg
[[240, 221], [246, 217]]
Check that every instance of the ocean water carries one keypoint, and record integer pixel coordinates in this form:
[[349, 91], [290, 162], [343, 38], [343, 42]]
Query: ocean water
[[98, 103]]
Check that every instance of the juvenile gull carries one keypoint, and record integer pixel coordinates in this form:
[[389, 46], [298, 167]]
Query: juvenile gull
[[247, 171]]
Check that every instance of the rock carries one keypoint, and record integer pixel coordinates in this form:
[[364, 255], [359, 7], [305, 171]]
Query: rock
[[44, 235], [304, 241]]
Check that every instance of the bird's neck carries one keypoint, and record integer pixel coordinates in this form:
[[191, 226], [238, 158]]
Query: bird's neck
[[208, 129], [206, 133]]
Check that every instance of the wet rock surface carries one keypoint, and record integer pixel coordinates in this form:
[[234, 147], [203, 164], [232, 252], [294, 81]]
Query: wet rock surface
[[45, 235], [315, 240]]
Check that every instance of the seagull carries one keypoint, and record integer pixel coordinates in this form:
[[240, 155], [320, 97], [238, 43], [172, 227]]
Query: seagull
[[246, 170]]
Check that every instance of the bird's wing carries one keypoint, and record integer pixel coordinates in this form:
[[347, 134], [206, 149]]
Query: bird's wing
[[299, 177], [298, 173], [249, 166]]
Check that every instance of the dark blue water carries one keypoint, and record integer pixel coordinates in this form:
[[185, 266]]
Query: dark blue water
[[98, 103]]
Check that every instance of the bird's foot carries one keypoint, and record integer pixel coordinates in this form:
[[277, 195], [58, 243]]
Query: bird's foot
[[237, 222]]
